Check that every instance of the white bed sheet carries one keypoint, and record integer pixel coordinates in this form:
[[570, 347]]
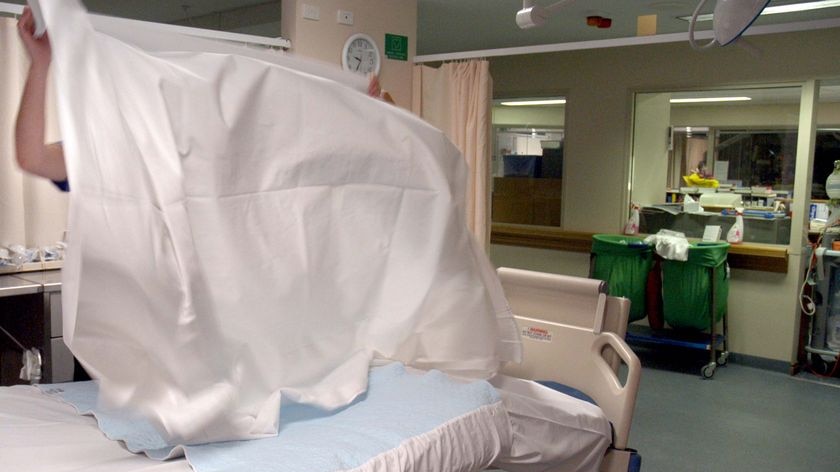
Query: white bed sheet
[[241, 233], [536, 429]]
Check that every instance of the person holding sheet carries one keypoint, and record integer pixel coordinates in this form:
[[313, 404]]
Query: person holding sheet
[[47, 160], [33, 156]]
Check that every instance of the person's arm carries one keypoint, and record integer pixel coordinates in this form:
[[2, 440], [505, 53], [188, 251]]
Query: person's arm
[[33, 155]]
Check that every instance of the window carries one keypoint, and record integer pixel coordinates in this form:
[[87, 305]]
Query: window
[[528, 162], [738, 144], [827, 147], [261, 18]]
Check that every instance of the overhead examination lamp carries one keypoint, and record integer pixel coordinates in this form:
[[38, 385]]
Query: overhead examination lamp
[[731, 19], [532, 15]]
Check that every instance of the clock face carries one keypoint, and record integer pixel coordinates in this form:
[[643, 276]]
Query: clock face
[[360, 55]]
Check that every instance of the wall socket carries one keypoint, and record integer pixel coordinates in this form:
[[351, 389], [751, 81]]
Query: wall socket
[[345, 17]]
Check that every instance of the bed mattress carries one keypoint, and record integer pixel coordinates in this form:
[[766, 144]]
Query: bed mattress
[[408, 421]]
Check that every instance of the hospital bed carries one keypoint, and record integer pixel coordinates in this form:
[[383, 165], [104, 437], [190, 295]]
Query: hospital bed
[[572, 334]]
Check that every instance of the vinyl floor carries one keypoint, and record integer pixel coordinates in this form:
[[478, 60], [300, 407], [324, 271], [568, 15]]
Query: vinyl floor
[[742, 419]]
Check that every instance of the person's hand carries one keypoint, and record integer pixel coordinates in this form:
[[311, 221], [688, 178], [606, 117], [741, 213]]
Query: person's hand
[[38, 49], [374, 89]]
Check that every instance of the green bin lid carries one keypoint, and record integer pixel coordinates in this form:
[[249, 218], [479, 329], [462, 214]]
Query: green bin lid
[[618, 244], [707, 254]]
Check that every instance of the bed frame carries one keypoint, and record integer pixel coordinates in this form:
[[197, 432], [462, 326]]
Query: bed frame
[[573, 334]]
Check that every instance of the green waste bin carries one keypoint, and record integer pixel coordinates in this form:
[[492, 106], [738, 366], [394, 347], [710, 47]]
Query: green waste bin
[[687, 286], [623, 262]]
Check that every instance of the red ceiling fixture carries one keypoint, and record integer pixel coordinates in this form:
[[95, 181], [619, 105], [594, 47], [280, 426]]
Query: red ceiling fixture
[[598, 21]]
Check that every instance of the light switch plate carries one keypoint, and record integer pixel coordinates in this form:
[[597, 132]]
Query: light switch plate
[[311, 12]]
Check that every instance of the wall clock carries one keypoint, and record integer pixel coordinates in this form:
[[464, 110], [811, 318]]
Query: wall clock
[[361, 55]]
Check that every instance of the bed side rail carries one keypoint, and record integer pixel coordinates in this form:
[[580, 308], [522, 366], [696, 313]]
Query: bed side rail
[[574, 356], [561, 342], [560, 298]]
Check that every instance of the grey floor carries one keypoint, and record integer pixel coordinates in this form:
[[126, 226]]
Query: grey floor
[[743, 419]]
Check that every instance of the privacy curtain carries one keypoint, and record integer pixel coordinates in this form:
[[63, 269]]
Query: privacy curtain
[[456, 97], [243, 231], [33, 213]]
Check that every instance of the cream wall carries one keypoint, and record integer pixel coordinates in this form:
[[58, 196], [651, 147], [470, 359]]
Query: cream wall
[[324, 39], [547, 117], [542, 260], [649, 176], [750, 115], [599, 85]]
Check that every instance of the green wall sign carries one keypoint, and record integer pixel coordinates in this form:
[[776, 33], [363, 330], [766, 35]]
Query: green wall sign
[[396, 47]]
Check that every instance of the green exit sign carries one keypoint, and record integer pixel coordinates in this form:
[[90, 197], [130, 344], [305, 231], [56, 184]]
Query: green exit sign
[[396, 47]]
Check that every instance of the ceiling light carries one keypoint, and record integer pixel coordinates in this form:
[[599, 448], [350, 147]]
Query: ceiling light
[[710, 99], [775, 10], [525, 103]]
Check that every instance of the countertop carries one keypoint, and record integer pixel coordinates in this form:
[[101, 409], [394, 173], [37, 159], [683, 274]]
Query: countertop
[[50, 280], [30, 283]]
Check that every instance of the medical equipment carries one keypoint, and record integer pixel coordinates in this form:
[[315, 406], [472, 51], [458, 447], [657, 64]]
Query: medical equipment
[[731, 19], [823, 273], [531, 15], [823, 308], [571, 335]]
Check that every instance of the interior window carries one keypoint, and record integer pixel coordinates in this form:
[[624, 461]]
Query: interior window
[[698, 155], [827, 148], [528, 161], [256, 17]]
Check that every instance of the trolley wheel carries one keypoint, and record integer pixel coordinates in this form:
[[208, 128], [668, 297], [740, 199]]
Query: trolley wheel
[[723, 358], [708, 370], [818, 365]]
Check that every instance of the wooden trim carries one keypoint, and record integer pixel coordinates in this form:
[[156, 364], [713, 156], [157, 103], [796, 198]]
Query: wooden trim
[[763, 257], [749, 256], [543, 237]]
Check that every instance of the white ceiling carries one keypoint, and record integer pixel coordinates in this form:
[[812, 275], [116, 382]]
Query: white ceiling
[[450, 25]]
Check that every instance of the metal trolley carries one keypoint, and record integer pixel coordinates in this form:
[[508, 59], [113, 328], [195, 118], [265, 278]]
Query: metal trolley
[[694, 303]]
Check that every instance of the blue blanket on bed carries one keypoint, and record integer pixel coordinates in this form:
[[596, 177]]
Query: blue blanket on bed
[[397, 406]]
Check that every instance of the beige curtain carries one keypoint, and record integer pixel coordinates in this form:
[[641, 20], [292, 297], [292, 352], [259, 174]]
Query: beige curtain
[[32, 211], [456, 98]]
